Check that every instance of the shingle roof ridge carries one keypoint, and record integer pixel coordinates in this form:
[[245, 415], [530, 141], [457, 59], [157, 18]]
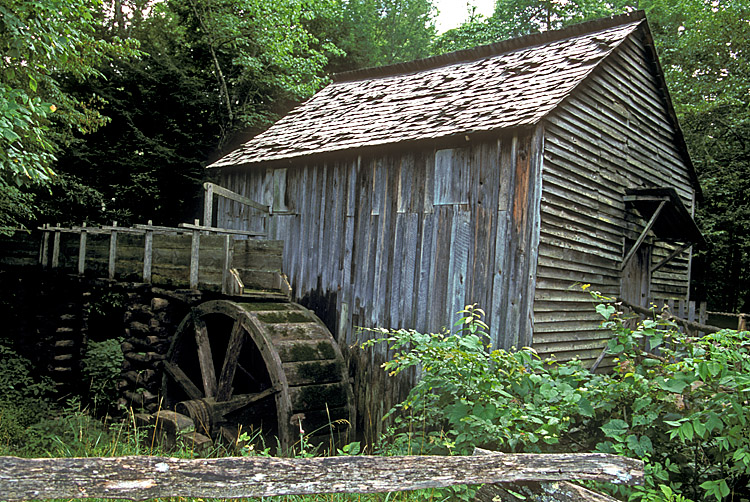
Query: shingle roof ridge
[[489, 50]]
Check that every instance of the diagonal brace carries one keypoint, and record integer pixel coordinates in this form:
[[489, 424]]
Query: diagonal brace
[[642, 237], [670, 257]]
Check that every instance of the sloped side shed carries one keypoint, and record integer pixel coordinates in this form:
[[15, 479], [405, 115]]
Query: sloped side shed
[[496, 176]]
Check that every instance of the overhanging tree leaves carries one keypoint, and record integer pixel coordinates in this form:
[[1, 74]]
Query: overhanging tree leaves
[[514, 18], [255, 53], [40, 41], [381, 32]]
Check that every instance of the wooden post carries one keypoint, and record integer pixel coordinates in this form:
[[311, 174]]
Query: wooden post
[[56, 247], [148, 254], [194, 257], [112, 250], [691, 311], [208, 204], [227, 264], [741, 323], [44, 252], [82, 250]]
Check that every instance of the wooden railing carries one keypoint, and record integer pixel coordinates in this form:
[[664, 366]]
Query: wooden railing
[[190, 255], [141, 477], [689, 310], [211, 190]]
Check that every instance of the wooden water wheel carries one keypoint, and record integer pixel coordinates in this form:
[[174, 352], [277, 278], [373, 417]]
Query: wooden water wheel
[[268, 366]]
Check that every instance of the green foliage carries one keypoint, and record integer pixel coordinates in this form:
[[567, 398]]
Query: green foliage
[[254, 54], [381, 32], [681, 410], [16, 207], [514, 18], [23, 398], [40, 41], [469, 395], [101, 366]]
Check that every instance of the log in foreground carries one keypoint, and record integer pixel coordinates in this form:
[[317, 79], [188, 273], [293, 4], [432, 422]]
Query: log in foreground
[[534, 491], [141, 478], [559, 491]]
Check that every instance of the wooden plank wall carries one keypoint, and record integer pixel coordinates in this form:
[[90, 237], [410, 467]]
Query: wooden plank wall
[[612, 134], [405, 241]]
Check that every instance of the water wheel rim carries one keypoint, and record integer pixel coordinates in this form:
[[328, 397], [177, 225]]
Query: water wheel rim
[[218, 388]]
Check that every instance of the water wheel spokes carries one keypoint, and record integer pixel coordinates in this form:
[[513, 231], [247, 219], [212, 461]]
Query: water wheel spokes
[[212, 336], [229, 368], [205, 357], [228, 359]]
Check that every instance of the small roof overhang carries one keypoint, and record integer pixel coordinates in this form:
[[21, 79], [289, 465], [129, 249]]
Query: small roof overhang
[[674, 222], [667, 217]]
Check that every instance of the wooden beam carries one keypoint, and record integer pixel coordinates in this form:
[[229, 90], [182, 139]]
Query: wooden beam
[[205, 357], [234, 347], [148, 255], [642, 237], [56, 248], [142, 477], [112, 250], [559, 491], [44, 251], [228, 194], [534, 491], [182, 380], [208, 204], [679, 320], [670, 257], [82, 251], [228, 251], [228, 231], [195, 246], [160, 229]]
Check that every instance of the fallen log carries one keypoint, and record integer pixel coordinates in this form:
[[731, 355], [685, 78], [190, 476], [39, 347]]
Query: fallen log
[[558, 491], [141, 478]]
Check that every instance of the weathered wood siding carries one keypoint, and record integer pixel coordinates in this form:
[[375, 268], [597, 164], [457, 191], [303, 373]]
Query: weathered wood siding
[[405, 240], [613, 133]]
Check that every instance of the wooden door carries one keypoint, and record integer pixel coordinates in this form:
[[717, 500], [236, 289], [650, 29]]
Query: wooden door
[[636, 278]]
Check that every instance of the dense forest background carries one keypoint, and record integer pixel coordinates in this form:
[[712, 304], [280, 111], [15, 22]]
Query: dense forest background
[[111, 109]]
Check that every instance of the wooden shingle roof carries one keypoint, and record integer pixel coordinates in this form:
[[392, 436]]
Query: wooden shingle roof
[[509, 84]]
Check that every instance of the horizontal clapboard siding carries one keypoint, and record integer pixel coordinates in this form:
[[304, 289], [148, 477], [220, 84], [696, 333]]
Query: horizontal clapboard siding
[[403, 241], [611, 134]]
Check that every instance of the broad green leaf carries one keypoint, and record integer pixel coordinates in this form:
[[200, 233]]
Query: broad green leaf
[[699, 428], [672, 385], [585, 408], [686, 431], [605, 311], [614, 428]]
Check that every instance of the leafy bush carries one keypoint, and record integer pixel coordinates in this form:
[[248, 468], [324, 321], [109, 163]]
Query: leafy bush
[[680, 406], [101, 365], [23, 398]]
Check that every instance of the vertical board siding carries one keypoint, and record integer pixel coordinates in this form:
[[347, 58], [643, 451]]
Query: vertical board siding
[[406, 243], [611, 134]]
